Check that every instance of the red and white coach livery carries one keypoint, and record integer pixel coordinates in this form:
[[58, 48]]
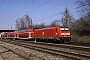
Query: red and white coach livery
[[56, 33], [25, 34]]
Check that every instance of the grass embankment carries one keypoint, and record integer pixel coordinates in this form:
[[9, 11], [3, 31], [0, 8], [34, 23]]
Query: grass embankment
[[83, 39]]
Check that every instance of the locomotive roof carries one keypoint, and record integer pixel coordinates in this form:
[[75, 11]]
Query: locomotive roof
[[24, 30], [11, 32], [45, 28], [52, 27]]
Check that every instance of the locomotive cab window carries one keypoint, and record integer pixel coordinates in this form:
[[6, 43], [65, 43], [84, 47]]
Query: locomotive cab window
[[64, 29]]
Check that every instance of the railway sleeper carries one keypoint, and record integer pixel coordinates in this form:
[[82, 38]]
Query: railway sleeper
[[58, 52]]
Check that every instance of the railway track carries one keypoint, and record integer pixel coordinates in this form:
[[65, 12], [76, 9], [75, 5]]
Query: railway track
[[70, 46], [9, 50], [66, 50]]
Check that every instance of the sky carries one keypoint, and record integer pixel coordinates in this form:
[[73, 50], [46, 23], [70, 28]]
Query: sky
[[41, 11]]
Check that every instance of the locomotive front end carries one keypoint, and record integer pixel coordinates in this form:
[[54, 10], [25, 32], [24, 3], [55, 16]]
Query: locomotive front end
[[65, 34]]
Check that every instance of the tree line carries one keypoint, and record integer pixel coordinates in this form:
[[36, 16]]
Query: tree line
[[80, 26], [25, 22]]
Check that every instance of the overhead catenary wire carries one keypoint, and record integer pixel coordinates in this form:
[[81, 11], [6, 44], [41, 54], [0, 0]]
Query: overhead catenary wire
[[22, 9], [49, 9], [32, 7], [46, 10], [40, 6], [52, 15], [32, 4], [52, 8], [49, 16], [2, 3]]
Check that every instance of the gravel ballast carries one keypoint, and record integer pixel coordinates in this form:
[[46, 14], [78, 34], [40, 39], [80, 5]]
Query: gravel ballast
[[29, 53]]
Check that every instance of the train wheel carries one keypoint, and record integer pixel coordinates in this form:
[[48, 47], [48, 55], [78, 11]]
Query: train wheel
[[48, 40], [61, 41], [55, 40]]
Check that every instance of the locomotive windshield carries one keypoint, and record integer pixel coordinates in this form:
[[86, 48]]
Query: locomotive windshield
[[66, 29]]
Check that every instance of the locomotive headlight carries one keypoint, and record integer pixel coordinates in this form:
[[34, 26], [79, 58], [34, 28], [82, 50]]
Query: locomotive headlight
[[62, 33], [67, 33], [56, 33]]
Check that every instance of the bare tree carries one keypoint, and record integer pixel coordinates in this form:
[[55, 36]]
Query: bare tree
[[17, 24], [24, 22], [81, 27], [87, 18], [38, 26], [28, 21], [84, 6], [67, 17]]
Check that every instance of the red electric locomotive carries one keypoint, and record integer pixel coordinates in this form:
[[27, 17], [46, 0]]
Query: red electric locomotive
[[56, 33]]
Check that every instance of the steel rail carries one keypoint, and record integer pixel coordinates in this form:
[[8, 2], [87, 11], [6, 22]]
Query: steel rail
[[72, 55], [84, 48], [13, 52]]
